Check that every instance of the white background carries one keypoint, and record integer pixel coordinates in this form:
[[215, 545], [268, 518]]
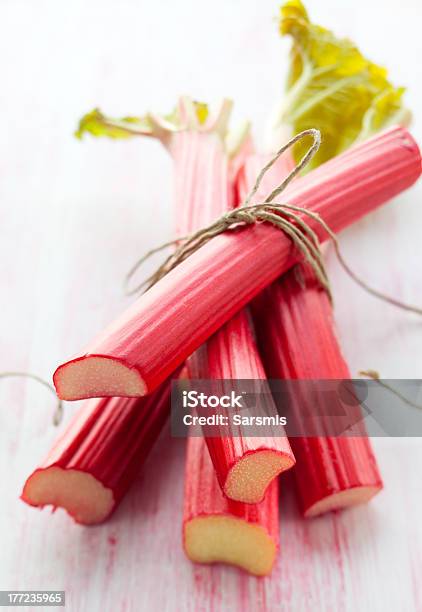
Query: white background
[[74, 216]]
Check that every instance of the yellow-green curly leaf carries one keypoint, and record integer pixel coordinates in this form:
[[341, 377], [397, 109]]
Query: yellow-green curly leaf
[[331, 86], [97, 124]]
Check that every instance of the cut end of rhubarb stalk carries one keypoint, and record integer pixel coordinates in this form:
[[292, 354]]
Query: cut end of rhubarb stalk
[[97, 376], [249, 478], [86, 500], [342, 500], [226, 539]]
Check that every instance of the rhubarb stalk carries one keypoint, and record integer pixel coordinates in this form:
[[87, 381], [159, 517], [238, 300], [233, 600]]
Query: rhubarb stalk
[[296, 335], [96, 459], [173, 318], [244, 465], [219, 530], [295, 330]]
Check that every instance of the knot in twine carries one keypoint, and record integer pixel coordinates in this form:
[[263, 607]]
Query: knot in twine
[[288, 218]]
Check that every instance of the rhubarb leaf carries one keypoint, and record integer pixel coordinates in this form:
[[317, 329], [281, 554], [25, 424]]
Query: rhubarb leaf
[[333, 87], [386, 109], [97, 124]]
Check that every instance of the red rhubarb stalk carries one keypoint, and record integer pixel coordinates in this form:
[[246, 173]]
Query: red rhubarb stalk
[[219, 530], [244, 465], [95, 461], [172, 319], [295, 330], [296, 335]]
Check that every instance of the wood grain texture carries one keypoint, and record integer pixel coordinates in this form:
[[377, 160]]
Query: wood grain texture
[[74, 216]]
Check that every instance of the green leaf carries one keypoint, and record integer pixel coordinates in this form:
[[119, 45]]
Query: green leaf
[[97, 124], [332, 86]]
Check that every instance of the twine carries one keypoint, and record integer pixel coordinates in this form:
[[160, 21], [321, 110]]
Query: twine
[[374, 375], [58, 414], [286, 217]]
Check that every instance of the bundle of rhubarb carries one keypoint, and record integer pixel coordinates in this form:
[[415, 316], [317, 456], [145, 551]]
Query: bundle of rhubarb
[[245, 305]]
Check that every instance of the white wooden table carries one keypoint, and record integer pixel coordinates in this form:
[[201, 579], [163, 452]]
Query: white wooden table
[[74, 216]]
